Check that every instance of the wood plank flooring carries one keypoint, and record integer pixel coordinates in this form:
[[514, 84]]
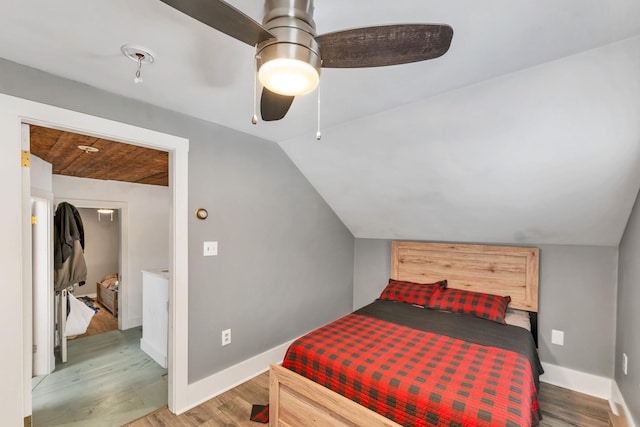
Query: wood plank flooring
[[560, 408], [107, 381]]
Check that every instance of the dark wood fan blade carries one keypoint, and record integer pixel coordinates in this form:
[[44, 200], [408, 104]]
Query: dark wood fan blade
[[384, 45], [224, 18], [274, 106]]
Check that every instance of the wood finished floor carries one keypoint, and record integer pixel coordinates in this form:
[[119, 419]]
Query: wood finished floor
[[107, 381], [560, 408]]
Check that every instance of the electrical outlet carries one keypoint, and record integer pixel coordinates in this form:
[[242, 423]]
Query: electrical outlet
[[625, 363], [226, 337], [557, 337], [210, 249]]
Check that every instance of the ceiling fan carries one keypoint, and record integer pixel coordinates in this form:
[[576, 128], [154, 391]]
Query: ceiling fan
[[289, 54]]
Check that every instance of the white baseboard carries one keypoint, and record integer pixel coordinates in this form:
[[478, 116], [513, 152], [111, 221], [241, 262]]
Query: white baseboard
[[616, 397], [218, 383], [156, 354], [132, 322], [581, 382]]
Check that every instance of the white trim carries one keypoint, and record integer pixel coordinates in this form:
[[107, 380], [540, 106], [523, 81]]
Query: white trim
[[134, 322], [14, 112], [27, 276], [218, 383], [617, 398], [177, 356], [581, 382], [159, 356]]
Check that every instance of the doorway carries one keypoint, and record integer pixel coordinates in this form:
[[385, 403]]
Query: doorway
[[65, 395], [14, 112], [102, 256]]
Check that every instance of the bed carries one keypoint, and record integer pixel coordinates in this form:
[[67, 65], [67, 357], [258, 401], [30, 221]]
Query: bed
[[392, 363]]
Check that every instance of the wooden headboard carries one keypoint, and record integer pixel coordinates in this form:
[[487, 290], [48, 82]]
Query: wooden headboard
[[499, 270]]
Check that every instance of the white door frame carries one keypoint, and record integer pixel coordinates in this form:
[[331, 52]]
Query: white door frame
[[15, 111]]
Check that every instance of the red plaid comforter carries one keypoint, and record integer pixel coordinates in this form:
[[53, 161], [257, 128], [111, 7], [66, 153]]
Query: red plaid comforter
[[417, 378]]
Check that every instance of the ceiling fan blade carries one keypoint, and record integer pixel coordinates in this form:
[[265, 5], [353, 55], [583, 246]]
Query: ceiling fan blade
[[384, 45], [274, 106], [224, 18]]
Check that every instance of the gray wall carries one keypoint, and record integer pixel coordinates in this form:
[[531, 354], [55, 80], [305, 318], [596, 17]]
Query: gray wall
[[628, 319], [371, 270], [577, 296], [101, 247], [285, 263], [286, 260]]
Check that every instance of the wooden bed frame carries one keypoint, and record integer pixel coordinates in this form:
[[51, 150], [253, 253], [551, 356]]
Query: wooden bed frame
[[296, 401]]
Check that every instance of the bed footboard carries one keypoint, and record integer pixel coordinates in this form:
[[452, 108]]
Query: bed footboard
[[296, 401]]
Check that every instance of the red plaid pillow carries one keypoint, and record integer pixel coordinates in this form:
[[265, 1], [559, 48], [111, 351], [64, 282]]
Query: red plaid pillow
[[411, 293], [486, 306]]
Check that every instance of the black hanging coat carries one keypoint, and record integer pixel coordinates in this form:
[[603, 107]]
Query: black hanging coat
[[68, 247]]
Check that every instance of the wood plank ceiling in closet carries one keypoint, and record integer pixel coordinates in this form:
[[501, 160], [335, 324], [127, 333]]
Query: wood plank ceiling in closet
[[114, 161]]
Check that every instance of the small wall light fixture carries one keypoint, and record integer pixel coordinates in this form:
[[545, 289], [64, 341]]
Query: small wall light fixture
[[104, 211]]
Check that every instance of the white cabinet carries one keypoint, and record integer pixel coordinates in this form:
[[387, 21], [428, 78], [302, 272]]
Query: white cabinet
[[155, 314]]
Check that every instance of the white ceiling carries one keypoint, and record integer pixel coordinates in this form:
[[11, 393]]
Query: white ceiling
[[526, 131]]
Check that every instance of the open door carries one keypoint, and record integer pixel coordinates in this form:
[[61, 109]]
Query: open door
[[42, 271], [41, 300]]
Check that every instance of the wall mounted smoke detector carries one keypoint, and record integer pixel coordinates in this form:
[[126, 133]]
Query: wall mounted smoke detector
[[139, 54]]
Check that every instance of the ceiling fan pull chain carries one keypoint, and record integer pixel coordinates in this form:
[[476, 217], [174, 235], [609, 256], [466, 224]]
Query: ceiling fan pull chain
[[254, 118], [318, 133]]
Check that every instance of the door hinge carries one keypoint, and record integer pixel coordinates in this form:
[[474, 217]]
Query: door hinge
[[35, 348], [34, 220], [25, 160]]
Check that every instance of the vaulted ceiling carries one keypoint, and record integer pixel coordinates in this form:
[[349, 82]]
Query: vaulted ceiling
[[526, 131]]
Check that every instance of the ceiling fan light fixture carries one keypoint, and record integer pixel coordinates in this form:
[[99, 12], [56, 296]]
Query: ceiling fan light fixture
[[288, 76], [288, 59]]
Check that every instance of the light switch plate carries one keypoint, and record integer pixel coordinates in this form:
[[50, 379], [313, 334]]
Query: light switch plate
[[210, 248]]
